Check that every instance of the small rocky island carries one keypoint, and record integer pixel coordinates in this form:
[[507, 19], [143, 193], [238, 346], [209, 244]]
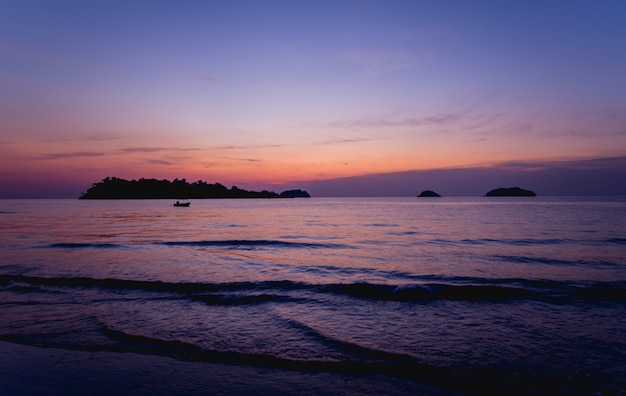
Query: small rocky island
[[428, 194], [510, 192], [116, 188]]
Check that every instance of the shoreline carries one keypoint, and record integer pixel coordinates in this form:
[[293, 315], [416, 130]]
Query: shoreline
[[34, 370]]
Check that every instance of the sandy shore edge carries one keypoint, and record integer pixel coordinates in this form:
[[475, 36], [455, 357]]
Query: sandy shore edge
[[32, 370]]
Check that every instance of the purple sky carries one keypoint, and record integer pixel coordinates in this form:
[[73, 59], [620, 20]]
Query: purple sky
[[339, 97]]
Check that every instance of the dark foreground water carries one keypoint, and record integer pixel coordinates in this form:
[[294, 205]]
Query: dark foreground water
[[395, 296]]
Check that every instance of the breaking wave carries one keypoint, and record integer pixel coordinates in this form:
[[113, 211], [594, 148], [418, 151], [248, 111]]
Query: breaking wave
[[243, 293], [235, 244]]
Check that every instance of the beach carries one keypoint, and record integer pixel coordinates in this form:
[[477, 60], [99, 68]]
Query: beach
[[30, 370]]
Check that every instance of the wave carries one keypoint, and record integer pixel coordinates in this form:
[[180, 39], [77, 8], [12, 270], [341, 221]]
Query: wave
[[485, 241], [525, 241], [281, 244], [68, 245], [379, 363], [532, 241], [243, 243], [193, 352], [361, 360], [152, 286], [550, 261], [464, 379], [229, 299], [430, 292], [251, 244], [403, 233], [349, 348], [245, 293]]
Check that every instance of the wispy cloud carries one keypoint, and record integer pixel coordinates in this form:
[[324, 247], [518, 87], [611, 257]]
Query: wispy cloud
[[481, 121], [510, 129], [441, 119], [142, 149], [580, 164], [241, 159], [94, 137], [457, 118], [158, 162], [76, 154], [248, 146], [468, 122], [128, 150], [155, 149], [331, 141]]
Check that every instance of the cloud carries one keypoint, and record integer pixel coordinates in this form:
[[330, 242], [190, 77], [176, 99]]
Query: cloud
[[241, 159], [465, 119], [129, 150], [77, 154], [488, 117], [158, 162], [209, 80], [155, 149], [341, 140], [440, 119], [250, 146], [595, 176], [95, 137], [481, 121], [578, 164], [143, 149], [332, 140]]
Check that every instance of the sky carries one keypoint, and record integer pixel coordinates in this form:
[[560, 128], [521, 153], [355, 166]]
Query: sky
[[341, 98]]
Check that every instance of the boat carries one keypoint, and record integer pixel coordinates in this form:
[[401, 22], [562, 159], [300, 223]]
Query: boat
[[185, 203]]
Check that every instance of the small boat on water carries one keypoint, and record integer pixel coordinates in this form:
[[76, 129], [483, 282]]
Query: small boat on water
[[184, 203]]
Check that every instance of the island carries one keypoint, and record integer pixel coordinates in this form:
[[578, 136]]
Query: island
[[510, 192], [428, 194], [117, 188], [295, 194]]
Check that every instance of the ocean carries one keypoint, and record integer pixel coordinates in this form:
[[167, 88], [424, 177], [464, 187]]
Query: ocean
[[314, 296]]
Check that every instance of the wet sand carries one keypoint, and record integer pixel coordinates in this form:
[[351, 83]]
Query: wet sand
[[29, 370]]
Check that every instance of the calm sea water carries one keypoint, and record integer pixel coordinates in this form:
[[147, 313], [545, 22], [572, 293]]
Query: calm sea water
[[469, 295]]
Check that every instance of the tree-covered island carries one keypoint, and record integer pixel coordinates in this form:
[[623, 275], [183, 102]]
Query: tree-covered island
[[116, 188], [295, 194], [510, 192]]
